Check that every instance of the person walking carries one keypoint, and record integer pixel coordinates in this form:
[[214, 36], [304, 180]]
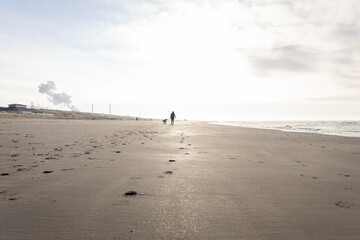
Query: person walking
[[172, 117]]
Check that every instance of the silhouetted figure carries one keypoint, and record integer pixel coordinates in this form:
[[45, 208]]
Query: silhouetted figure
[[172, 117]]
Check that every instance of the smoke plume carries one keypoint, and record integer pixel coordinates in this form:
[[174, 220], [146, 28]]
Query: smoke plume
[[63, 99]]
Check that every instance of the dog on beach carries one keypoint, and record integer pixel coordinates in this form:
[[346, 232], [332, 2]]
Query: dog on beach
[[164, 121]]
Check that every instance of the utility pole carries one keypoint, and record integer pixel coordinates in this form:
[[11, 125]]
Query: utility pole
[[109, 109], [92, 108]]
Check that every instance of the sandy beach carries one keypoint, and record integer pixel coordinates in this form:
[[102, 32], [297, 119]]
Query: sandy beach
[[68, 179]]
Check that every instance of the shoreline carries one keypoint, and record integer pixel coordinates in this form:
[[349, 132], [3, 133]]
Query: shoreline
[[69, 179]]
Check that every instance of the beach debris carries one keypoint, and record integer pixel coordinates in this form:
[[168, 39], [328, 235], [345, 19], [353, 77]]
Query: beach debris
[[131, 193], [344, 204], [4, 174], [171, 160], [58, 149], [48, 171], [168, 172], [15, 155], [346, 175]]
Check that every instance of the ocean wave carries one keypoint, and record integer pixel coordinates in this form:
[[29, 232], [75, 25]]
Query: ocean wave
[[338, 128]]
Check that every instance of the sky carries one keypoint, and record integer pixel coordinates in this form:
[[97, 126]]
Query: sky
[[204, 59]]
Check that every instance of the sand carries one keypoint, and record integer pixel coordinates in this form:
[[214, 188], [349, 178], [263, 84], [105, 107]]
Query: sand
[[68, 179]]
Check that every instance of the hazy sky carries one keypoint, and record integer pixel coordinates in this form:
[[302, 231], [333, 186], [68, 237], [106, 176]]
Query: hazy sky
[[205, 59]]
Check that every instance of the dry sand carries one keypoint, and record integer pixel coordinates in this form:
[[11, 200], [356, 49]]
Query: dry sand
[[225, 182]]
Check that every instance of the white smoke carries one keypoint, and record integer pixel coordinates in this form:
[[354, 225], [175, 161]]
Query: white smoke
[[63, 99]]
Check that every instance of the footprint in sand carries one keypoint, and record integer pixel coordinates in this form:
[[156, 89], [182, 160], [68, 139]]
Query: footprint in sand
[[171, 160], [48, 171], [353, 190], [22, 169], [12, 197], [66, 169], [76, 155], [345, 175], [168, 172], [344, 204]]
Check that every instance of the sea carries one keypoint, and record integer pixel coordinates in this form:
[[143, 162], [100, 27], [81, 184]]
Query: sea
[[338, 128]]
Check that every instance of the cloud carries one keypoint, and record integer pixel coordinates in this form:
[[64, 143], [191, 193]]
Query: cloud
[[56, 98], [290, 58], [339, 98]]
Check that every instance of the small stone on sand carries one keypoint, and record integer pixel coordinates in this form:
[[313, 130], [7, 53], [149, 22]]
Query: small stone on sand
[[48, 171], [130, 193]]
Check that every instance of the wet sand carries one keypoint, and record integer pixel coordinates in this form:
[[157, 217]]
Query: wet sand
[[68, 179]]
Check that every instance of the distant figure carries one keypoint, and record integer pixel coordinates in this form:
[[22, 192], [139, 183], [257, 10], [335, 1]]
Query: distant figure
[[164, 121], [172, 117]]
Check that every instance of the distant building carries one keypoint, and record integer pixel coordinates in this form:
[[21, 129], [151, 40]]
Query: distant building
[[16, 105], [18, 108]]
